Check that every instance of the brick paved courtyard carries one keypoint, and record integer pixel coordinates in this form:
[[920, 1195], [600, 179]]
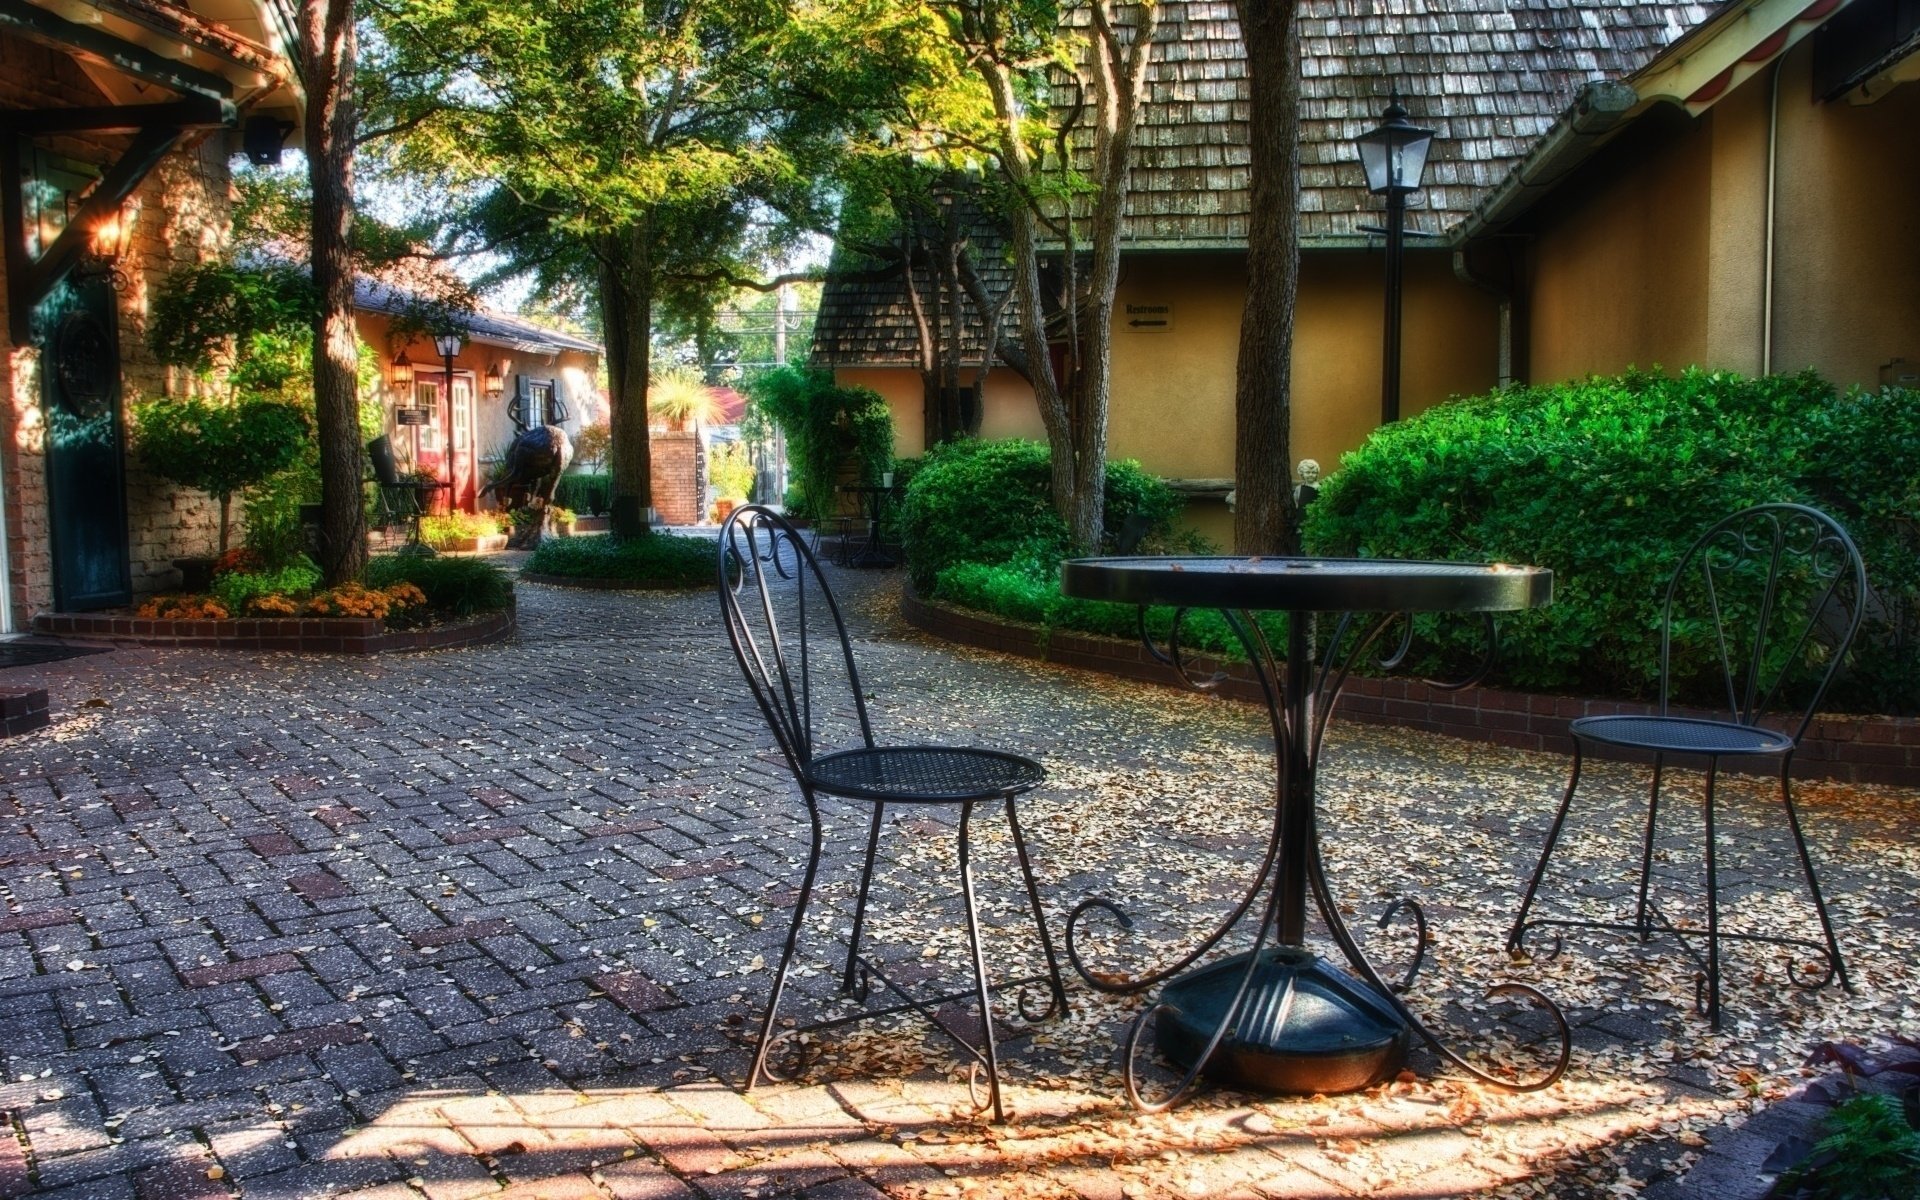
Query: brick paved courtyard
[[494, 923]]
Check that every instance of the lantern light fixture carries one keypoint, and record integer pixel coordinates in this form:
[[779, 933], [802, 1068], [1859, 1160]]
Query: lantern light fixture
[[400, 373]]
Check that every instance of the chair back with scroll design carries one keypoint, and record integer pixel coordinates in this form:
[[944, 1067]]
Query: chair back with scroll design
[[789, 637], [1761, 612]]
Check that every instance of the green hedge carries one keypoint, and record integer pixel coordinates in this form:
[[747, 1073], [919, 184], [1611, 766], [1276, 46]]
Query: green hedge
[[987, 502], [652, 560], [585, 492], [459, 587], [1607, 481]]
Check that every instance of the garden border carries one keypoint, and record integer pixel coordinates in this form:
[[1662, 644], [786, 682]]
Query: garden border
[[1841, 747], [311, 635]]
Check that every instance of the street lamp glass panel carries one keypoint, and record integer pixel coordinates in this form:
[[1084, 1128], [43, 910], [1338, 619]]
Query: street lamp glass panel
[[1394, 153], [401, 373], [447, 344]]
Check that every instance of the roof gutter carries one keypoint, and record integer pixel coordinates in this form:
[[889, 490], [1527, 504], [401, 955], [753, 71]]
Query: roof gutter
[[1596, 113]]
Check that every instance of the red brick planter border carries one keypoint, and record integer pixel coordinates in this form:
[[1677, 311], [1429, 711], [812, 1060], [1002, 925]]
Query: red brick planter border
[[1851, 749], [337, 635], [22, 710]]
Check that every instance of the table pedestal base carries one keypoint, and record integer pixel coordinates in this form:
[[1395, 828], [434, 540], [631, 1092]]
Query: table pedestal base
[[1304, 1026]]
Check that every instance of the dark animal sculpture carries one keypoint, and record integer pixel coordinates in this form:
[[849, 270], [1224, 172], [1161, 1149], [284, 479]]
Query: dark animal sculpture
[[531, 472]]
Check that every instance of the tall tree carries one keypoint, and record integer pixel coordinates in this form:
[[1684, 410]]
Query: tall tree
[[1265, 520], [1069, 176], [327, 54], [645, 131]]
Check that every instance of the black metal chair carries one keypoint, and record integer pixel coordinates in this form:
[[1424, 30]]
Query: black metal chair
[[1769, 600], [792, 644]]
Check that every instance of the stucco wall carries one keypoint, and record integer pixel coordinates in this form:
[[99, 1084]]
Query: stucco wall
[[1619, 258], [1847, 240], [180, 215]]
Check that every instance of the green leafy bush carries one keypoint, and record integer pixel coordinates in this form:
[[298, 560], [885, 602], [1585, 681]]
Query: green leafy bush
[[1608, 481], [446, 531], [825, 426], [218, 448], [730, 471], [458, 587], [654, 560], [584, 492], [235, 588], [1869, 1152], [988, 502]]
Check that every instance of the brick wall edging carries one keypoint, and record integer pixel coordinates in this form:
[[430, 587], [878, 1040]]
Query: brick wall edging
[[22, 710], [613, 585], [1843, 747], [308, 635]]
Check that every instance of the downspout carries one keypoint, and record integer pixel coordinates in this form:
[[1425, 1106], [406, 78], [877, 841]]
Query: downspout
[[1773, 167], [1503, 299]]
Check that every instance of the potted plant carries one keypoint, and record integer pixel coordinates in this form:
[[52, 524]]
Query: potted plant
[[682, 400], [561, 520]]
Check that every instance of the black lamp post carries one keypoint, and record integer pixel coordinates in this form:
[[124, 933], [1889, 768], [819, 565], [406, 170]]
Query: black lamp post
[[1394, 156], [448, 344]]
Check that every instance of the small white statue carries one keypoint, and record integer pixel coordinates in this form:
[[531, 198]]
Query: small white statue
[[1305, 490]]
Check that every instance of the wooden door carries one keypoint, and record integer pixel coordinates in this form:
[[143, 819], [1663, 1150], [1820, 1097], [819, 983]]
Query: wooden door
[[78, 338], [465, 464]]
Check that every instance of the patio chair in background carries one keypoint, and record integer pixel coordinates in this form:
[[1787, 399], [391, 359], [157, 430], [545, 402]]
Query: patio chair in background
[[792, 645], [1772, 597]]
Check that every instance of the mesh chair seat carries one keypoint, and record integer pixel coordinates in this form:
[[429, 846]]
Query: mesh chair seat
[[1682, 735], [924, 774]]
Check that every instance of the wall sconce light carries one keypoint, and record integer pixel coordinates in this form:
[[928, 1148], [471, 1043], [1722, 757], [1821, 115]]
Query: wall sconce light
[[107, 242], [400, 374], [496, 381]]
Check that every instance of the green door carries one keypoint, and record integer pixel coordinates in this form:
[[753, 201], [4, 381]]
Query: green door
[[79, 343]]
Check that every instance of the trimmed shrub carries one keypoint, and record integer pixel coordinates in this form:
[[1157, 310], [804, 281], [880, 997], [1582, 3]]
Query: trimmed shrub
[[459, 587], [988, 502], [234, 589], [584, 492], [1608, 481], [653, 560]]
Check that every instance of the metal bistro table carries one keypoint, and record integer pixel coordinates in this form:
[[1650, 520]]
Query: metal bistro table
[[1278, 1018], [874, 553]]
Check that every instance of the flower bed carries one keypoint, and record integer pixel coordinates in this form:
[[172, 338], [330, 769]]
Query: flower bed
[[324, 635]]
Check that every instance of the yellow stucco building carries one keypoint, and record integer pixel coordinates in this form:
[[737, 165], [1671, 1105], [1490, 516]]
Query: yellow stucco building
[[1611, 185]]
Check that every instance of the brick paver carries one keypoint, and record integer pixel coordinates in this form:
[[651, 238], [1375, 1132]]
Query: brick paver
[[497, 922]]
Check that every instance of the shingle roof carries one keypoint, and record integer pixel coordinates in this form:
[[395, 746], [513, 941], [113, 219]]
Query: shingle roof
[[480, 325], [1488, 76], [869, 320]]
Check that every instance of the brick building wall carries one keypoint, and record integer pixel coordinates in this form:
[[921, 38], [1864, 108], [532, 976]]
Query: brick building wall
[[679, 476], [181, 214]]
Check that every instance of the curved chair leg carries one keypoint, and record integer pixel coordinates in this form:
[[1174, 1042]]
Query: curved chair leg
[[786, 956], [1713, 906], [987, 1047], [1054, 984], [860, 905], [1646, 850], [1813, 885], [1518, 929]]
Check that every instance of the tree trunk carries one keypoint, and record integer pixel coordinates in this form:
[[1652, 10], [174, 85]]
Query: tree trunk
[[327, 53], [1265, 520], [626, 315]]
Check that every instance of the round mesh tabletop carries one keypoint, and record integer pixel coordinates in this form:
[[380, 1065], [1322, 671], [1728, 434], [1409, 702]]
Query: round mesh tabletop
[[1309, 584], [924, 773], [1682, 735]]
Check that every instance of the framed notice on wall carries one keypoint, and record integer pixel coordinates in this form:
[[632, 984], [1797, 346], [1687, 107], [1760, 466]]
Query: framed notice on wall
[[412, 416]]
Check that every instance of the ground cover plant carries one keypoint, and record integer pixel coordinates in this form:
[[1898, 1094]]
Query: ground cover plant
[[1608, 481], [656, 560], [449, 531], [405, 591]]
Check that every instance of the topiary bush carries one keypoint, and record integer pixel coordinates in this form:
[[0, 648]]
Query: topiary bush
[[1608, 481], [655, 560], [974, 501], [584, 492]]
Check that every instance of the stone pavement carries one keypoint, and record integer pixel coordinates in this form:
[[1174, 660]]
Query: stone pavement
[[494, 923]]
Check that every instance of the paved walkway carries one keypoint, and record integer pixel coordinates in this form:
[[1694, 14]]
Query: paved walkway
[[494, 922]]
